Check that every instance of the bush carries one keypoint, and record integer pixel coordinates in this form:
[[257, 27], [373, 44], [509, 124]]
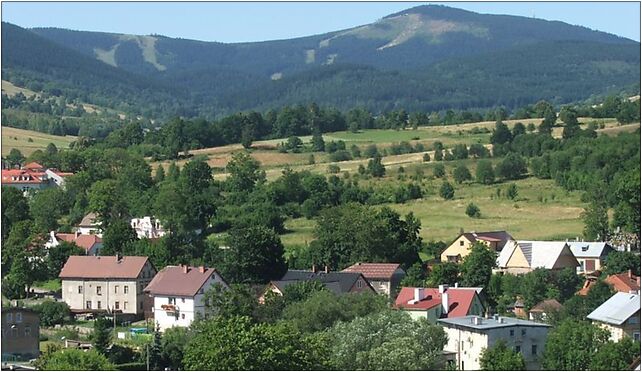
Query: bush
[[447, 191], [52, 312], [426, 157], [461, 174], [439, 171], [473, 211], [333, 169], [511, 193], [340, 155]]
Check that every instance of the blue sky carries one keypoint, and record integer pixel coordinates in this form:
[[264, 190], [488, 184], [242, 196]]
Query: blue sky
[[257, 21]]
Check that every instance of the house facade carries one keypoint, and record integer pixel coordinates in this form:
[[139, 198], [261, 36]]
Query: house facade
[[620, 315], [383, 277], [468, 336], [541, 311], [520, 257], [90, 225], [33, 176], [177, 293], [461, 246], [96, 284], [148, 227], [436, 303], [20, 334], [589, 255]]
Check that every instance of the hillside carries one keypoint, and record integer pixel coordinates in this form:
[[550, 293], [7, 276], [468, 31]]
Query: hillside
[[425, 58]]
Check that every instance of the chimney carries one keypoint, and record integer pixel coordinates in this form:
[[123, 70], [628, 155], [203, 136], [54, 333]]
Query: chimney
[[444, 303], [419, 295], [119, 257], [201, 269], [443, 288], [457, 285], [630, 274], [327, 269], [477, 320], [77, 233], [314, 268], [185, 269]]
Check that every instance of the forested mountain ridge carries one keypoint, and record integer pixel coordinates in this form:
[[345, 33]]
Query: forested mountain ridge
[[427, 58]]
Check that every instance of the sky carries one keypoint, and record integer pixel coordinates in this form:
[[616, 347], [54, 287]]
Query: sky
[[258, 21]]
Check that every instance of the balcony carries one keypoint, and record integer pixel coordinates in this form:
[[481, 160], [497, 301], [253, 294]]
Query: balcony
[[170, 308]]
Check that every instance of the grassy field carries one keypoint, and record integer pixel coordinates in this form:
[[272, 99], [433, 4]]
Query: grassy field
[[11, 90], [19, 139], [542, 210]]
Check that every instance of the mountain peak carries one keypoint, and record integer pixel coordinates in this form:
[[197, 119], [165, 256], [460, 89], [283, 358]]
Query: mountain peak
[[435, 11]]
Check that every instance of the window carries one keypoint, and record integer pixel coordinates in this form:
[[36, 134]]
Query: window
[[125, 305], [359, 283], [461, 244], [99, 290], [523, 332], [116, 289], [88, 305], [14, 332], [462, 345], [27, 331], [79, 289], [182, 300], [117, 305], [512, 332], [9, 317], [636, 336], [126, 289], [182, 316], [171, 300], [99, 306], [534, 349], [18, 317], [518, 349], [633, 320]]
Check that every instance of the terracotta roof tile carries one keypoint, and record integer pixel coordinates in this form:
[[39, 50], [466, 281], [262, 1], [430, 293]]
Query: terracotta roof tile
[[174, 281], [98, 267], [546, 305], [624, 282], [459, 300], [374, 270]]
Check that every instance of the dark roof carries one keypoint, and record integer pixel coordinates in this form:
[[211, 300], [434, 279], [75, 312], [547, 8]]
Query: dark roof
[[103, 267], [175, 281], [546, 305], [345, 280], [282, 284], [90, 220]]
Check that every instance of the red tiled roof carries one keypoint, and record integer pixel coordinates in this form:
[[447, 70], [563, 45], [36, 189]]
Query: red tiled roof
[[33, 165], [99, 267], [624, 282], [374, 270], [459, 300], [546, 305], [173, 281], [85, 241], [32, 177]]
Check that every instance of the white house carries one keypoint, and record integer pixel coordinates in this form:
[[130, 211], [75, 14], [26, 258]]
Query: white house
[[90, 243], [620, 315], [590, 255], [177, 293], [148, 227], [468, 336], [520, 257], [90, 225]]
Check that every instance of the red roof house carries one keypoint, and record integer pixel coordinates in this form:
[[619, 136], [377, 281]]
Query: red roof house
[[624, 282], [383, 277], [436, 303]]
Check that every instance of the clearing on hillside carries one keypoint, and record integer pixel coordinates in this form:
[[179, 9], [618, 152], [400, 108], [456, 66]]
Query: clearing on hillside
[[14, 138]]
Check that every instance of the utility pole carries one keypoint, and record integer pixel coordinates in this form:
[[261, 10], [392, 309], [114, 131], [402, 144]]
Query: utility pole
[[148, 357]]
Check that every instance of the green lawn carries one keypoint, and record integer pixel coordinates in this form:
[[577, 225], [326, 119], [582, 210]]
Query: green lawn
[[51, 285], [542, 210], [28, 141]]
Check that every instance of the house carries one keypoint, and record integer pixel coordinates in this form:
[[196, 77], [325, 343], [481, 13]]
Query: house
[[148, 227], [33, 176], [178, 293], [90, 225], [383, 277], [626, 282], [436, 303], [90, 243], [590, 255], [541, 311], [337, 282], [461, 246], [518, 308], [620, 315], [520, 257], [94, 284], [468, 336], [20, 334]]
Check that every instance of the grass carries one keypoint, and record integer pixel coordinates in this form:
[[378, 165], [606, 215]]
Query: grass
[[50, 285], [542, 210], [19, 139]]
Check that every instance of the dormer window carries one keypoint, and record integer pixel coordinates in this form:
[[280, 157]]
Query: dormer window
[[584, 249]]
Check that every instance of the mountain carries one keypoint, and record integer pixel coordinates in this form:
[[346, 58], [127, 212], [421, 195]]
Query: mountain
[[424, 58]]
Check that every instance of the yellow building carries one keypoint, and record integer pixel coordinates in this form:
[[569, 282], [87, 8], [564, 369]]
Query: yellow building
[[461, 246]]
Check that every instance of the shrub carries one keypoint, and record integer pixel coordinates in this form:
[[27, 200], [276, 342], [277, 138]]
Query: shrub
[[511, 193], [473, 211], [461, 174], [52, 312], [447, 191], [340, 155], [439, 171], [333, 169], [426, 157]]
